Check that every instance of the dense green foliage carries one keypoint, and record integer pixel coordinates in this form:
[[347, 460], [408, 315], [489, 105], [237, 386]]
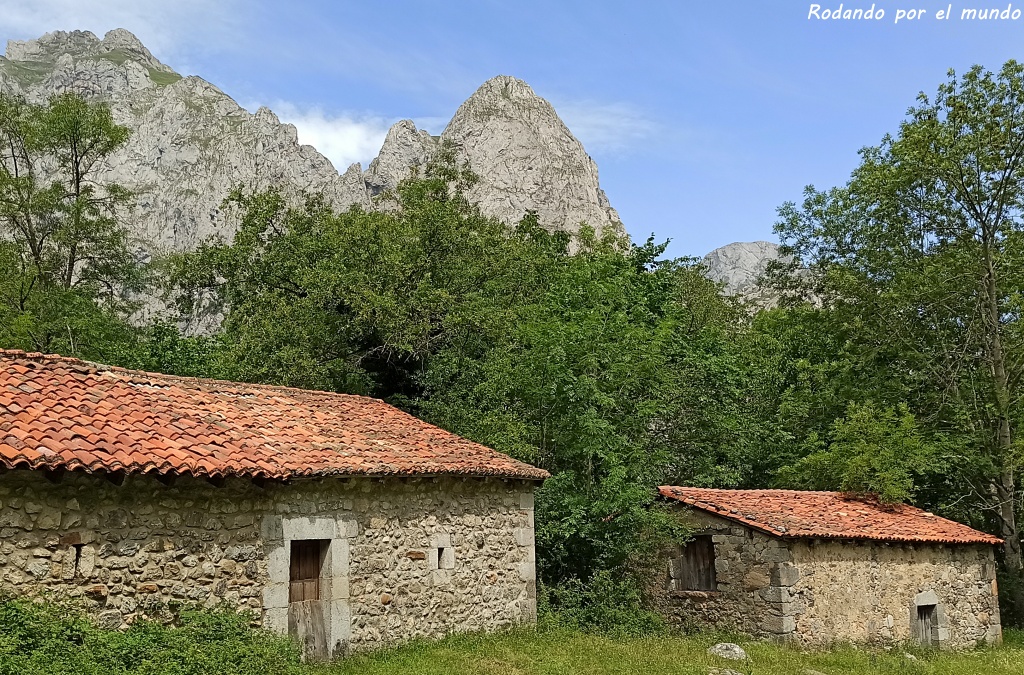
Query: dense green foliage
[[54, 639], [917, 265], [66, 263], [607, 366]]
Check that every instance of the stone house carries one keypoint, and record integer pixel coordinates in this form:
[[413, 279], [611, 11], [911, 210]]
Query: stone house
[[339, 519], [822, 567]]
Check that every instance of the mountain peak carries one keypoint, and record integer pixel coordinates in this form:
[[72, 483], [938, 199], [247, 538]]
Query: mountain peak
[[527, 159]]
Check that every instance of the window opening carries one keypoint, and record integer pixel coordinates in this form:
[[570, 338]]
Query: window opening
[[926, 624], [78, 557], [693, 567], [307, 561]]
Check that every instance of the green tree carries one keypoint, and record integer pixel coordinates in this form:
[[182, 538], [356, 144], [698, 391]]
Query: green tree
[[918, 261], [66, 259], [605, 366]]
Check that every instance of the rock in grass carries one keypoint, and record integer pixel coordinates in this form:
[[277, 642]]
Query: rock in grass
[[728, 650], [723, 671]]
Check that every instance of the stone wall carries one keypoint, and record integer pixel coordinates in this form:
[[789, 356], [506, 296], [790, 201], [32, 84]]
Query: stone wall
[[869, 592], [814, 592], [141, 548], [748, 568]]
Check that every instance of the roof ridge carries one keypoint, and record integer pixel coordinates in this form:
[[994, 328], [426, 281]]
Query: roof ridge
[[40, 357], [827, 515]]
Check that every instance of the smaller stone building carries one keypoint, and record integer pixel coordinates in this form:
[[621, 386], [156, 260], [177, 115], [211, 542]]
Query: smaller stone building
[[338, 519], [822, 567]]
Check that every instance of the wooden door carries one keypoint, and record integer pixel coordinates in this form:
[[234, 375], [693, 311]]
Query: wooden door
[[306, 620]]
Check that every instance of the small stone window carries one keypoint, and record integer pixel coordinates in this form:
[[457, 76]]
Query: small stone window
[[926, 628], [307, 563], [692, 568], [442, 553]]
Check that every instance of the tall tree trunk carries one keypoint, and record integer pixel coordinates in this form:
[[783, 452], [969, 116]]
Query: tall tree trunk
[[1006, 493]]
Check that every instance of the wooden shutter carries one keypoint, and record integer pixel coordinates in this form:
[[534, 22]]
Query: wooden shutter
[[307, 557], [696, 566]]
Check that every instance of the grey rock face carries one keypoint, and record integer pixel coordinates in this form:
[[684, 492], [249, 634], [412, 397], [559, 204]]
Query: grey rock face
[[405, 149], [738, 266], [526, 158], [191, 144]]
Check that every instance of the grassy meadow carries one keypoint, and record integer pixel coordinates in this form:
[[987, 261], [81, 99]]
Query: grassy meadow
[[557, 652]]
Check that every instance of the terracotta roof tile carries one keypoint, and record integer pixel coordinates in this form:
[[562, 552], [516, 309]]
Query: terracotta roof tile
[[137, 421], [826, 515]]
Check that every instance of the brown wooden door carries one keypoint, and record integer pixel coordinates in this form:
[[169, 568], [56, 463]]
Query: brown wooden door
[[306, 564], [696, 570]]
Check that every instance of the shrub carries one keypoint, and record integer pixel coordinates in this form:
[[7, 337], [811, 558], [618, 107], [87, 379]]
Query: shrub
[[606, 604], [55, 638]]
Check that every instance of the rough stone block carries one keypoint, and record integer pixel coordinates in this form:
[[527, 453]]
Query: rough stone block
[[784, 574], [271, 528], [528, 571], [775, 594], [779, 624], [338, 553], [526, 500], [276, 619], [339, 588], [309, 528], [524, 536], [275, 595], [278, 563]]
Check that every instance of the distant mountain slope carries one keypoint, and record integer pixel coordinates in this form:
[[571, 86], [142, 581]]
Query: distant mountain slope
[[738, 266], [191, 143]]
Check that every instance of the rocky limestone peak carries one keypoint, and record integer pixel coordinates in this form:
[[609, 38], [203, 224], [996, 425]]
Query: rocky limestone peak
[[52, 45], [405, 148], [527, 159], [123, 41], [738, 265], [191, 143]]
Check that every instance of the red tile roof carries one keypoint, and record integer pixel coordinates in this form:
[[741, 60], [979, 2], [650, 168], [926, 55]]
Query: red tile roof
[[63, 413], [826, 515]]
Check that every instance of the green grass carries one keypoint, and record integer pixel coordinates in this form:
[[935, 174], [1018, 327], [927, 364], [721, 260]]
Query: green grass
[[162, 78], [560, 652], [51, 638]]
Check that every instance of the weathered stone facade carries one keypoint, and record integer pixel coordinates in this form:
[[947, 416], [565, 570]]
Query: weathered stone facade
[[404, 558], [815, 592]]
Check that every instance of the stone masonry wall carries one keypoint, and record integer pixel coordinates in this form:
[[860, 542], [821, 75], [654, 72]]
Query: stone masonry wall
[[748, 566], [815, 592], [138, 549], [866, 591]]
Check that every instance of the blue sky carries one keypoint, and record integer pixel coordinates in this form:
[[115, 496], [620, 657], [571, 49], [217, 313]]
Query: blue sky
[[703, 117]]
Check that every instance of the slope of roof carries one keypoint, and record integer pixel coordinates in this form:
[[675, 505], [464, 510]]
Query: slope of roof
[[64, 413], [826, 515]]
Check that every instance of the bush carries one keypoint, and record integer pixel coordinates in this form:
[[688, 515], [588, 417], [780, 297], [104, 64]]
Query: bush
[[606, 604], [1011, 598], [54, 638]]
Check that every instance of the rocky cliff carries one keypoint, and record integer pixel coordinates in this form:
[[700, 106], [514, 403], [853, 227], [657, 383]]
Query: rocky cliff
[[738, 266], [191, 143]]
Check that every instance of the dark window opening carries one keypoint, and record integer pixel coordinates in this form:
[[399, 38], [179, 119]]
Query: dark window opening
[[78, 557], [927, 625], [693, 567], [307, 564]]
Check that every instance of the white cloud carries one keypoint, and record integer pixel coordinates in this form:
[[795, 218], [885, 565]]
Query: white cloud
[[607, 127], [343, 138]]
